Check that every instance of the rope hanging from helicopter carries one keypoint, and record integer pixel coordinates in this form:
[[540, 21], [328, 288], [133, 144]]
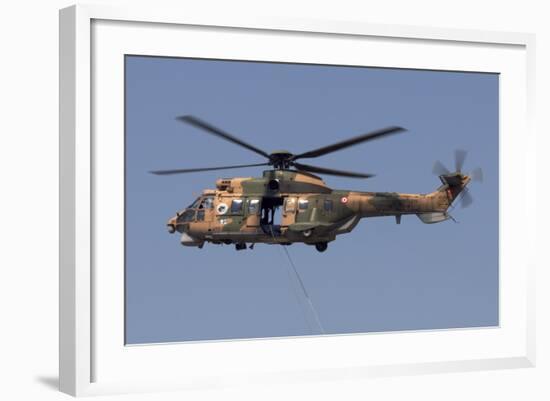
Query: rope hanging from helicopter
[[303, 288]]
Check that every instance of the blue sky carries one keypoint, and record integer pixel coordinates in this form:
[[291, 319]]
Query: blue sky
[[381, 276]]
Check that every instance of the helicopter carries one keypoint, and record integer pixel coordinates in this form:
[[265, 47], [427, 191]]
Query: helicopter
[[290, 204]]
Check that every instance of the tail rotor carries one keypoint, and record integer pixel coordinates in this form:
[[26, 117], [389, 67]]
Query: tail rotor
[[477, 174], [458, 178], [460, 157], [440, 169], [466, 198]]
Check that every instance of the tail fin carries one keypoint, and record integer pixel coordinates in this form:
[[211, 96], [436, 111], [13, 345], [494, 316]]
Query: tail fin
[[453, 185]]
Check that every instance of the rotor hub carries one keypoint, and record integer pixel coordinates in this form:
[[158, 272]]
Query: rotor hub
[[281, 159]]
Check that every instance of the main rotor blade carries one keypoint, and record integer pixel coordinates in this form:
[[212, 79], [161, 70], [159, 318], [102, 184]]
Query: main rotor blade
[[349, 142], [329, 171], [460, 156], [439, 168], [194, 170], [194, 121]]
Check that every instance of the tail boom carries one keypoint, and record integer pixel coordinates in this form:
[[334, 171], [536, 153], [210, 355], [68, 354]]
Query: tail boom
[[430, 208]]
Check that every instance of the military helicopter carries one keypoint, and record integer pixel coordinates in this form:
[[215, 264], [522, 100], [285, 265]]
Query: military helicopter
[[243, 211]]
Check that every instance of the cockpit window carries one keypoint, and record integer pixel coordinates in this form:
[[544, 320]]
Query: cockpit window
[[195, 204], [236, 205], [207, 203], [186, 216]]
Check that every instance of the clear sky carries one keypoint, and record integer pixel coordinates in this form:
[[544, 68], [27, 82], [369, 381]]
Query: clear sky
[[379, 277]]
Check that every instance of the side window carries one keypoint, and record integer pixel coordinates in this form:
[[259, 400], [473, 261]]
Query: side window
[[328, 205], [200, 215], [253, 206], [290, 205], [303, 204], [236, 206]]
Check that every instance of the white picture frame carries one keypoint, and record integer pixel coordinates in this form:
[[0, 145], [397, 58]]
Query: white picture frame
[[93, 358]]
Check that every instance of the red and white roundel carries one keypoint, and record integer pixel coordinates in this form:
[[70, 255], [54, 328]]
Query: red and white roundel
[[344, 199]]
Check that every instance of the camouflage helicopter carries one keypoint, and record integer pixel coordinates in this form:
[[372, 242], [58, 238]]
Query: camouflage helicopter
[[243, 211]]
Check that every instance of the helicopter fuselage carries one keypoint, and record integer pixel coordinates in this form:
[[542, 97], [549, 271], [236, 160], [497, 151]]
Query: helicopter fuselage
[[287, 206]]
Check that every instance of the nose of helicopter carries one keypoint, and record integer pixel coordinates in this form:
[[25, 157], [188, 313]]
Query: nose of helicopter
[[180, 222], [171, 225]]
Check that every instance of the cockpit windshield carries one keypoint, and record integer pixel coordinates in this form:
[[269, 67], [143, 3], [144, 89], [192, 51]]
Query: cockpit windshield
[[195, 204], [187, 216], [207, 203], [203, 202]]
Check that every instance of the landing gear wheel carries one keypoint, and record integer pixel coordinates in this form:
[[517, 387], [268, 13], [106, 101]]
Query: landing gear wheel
[[321, 246], [240, 246]]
